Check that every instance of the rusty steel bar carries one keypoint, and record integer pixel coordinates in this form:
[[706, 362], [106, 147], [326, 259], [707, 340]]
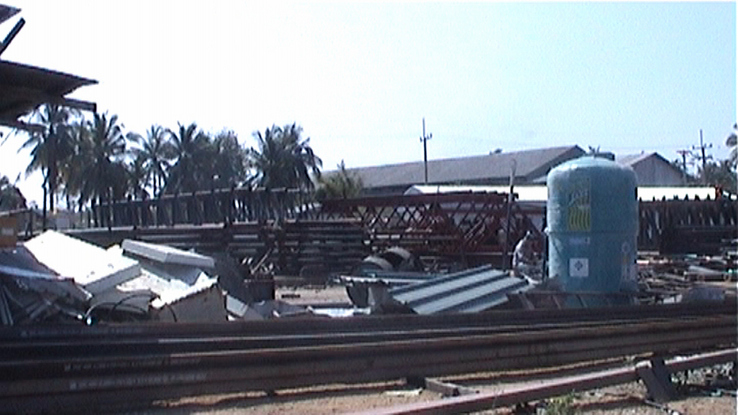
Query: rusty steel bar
[[302, 366], [139, 354], [408, 322], [511, 396]]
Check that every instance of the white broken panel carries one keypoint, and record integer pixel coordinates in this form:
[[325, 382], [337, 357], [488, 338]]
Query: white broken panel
[[167, 254], [167, 289], [207, 305], [93, 268], [262, 310]]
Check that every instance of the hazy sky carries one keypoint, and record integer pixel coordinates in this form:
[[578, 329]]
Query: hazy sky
[[359, 77]]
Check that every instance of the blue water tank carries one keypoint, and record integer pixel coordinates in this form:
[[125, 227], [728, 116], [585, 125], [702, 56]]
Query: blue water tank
[[592, 225]]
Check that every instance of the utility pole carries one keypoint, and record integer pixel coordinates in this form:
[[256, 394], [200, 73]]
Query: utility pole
[[424, 139], [702, 148]]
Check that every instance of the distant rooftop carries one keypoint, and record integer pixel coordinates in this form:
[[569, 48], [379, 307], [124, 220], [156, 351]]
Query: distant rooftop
[[494, 168]]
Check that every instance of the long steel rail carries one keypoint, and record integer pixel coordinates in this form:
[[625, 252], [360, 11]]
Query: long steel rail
[[526, 393], [140, 365]]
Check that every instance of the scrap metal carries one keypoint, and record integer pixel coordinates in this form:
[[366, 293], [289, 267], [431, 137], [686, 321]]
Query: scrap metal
[[469, 291], [192, 360]]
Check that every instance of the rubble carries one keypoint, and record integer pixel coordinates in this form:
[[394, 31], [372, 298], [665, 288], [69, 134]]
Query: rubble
[[262, 310], [29, 292], [55, 277]]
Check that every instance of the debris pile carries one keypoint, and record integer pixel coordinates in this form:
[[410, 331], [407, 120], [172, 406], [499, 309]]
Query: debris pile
[[686, 278], [54, 278], [472, 290]]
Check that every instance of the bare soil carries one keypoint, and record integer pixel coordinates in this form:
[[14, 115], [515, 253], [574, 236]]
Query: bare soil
[[338, 399]]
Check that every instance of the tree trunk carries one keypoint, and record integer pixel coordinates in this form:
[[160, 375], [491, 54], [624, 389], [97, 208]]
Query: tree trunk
[[43, 211]]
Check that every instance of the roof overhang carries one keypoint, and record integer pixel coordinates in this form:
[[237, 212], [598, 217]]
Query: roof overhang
[[23, 88]]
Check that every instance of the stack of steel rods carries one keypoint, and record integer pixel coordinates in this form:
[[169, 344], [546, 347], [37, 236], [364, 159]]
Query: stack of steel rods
[[73, 368]]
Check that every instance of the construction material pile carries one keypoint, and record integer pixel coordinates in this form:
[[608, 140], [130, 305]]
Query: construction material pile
[[55, 278]]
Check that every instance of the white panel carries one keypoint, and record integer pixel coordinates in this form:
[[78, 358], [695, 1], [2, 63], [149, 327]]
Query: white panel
[[167, 254], [91, 267]]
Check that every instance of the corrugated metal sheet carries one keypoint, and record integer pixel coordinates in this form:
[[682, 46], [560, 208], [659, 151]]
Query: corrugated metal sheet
[[468, 291]]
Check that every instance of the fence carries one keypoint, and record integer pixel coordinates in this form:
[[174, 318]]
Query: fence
[[687, 226], [197, 208], [471, 227]]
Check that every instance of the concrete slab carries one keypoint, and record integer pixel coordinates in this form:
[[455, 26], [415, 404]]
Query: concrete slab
[[93, 268], [166, 254]]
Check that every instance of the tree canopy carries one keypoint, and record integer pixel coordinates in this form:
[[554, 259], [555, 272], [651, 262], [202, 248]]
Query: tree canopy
[[11, 197], [93, 159], [341, 184], [284, 158]]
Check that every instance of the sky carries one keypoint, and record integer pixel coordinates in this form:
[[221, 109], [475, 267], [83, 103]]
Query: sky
[[360, 77]]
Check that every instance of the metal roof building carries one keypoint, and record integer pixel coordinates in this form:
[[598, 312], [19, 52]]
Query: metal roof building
[[652, 169], [531, 167], [490, 169]]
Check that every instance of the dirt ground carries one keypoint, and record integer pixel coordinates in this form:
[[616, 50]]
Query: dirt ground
[[339, 399]]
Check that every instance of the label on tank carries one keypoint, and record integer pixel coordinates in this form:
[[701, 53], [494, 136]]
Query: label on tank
[[579, 206], [579, 241], [579, 267]]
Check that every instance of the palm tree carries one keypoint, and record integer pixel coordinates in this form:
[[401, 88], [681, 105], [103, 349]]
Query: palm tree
[[342, 184], [732, 142], [102, 167], [137, 176], [229, 160], [11, 197], [156, 151], [71, 166], [189, 170], [49, 147], [284, 159]]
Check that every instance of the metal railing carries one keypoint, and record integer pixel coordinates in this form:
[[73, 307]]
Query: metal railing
[[197, 208]]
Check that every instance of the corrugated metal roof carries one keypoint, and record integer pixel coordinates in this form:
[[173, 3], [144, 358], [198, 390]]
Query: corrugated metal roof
[[485, 168], [24, 87], [468, 291], [631, 159]]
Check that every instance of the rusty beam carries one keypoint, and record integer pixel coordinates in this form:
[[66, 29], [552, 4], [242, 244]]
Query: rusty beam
[[556, 387]]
